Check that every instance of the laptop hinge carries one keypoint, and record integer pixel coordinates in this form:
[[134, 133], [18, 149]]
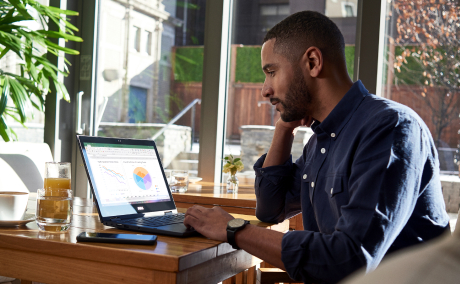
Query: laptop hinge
[[168, 213], [115, 218]]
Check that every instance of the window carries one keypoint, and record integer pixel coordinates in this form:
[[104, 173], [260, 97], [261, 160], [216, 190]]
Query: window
[[137, 39], [348, 10], [421, 70], [250, 117], [155, 75], [148, 42], [137, 103], [274, 10]]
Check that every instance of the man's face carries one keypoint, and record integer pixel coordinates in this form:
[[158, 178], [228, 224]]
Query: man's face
[[284, 85]]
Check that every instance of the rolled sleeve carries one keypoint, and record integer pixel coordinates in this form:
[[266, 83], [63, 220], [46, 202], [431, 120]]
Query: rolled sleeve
[[275, 190]]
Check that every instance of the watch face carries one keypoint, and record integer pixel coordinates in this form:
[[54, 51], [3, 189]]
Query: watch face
[[235, 223]]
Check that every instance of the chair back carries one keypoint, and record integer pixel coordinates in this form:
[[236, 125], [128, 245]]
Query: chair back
[[22, 165]]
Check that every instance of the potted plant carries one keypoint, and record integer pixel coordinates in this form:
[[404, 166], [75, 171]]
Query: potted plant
[[232, 166], [19, 93]]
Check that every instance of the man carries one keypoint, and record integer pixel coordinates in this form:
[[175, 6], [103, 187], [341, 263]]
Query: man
[[367, 183]]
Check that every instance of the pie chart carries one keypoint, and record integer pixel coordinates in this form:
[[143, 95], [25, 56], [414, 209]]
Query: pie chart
[[142, 178]]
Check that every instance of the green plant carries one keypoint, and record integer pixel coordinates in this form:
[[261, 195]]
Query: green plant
[[248, 66], [188, 65], [232, 165], [28, 89]]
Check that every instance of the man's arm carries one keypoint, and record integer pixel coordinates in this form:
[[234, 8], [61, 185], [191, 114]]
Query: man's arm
[[280, 148], [212, 223]]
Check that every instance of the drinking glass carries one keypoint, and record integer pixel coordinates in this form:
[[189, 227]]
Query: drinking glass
[[54, 201], [179, 181]]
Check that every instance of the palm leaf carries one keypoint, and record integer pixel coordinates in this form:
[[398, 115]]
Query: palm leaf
[[4, 51], [65, 49], [4, 96], [21, 9], [60, 11], [4, 131], [20, 99], [54, 34]]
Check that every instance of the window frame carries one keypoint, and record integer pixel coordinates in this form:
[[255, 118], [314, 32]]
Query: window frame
[[368, 57]]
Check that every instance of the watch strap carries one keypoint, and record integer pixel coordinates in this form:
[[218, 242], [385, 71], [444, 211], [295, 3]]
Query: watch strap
[[231, 235]]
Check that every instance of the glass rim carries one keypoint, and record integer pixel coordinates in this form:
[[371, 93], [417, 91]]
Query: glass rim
[[58, 163], [61, 189]]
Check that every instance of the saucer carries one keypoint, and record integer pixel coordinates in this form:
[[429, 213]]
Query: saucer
[[194, 179], [27, 218]]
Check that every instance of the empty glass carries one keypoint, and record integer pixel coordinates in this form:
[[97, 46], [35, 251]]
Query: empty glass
[[179, 181]]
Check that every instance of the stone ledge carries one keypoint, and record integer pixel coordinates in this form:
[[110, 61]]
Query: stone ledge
[[451, 192]]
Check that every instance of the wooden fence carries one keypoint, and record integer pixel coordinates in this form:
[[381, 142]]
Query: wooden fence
[[246, 106]]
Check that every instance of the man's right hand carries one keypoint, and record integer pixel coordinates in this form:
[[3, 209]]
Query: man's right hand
[[280, 149], [306, 121]]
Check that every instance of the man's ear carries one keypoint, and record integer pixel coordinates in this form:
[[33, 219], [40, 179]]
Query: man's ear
[[313, 61]]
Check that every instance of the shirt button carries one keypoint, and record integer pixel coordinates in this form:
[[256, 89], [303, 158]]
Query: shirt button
[[312, 184], [323, 150], [305, 176], [332, 189], [332, 135]]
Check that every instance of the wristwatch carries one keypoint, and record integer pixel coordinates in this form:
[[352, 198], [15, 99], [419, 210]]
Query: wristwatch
[[234, 226]]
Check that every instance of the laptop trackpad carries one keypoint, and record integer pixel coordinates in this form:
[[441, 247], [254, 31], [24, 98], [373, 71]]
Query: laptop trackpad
[[178, 227]]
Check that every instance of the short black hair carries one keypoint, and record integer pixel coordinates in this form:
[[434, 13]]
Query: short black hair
[[298, 32]]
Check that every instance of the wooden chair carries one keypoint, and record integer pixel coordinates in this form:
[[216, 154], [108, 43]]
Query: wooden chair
[[22, 165], [272, 275], [269, 274]]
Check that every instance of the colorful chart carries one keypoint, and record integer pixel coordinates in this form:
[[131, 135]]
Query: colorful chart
[[117, 176], [142, 178]]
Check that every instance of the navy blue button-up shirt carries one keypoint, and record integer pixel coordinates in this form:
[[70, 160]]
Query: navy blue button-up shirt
[[367, 184]]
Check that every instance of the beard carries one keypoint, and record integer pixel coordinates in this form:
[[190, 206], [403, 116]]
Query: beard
[[298, 99]]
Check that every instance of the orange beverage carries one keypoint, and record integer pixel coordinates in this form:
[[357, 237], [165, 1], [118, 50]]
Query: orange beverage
[[54, 185], [55, 207]]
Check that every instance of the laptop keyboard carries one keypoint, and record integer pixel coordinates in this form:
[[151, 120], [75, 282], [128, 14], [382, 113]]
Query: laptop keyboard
[[157, 220]]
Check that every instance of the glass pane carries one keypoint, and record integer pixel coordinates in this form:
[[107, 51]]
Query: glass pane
[[250, 117], [421, 68], [149, 71], [137, 39]]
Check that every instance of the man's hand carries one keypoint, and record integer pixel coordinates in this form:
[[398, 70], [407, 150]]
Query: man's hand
[[210, 222], [280, 149], [306, 121]]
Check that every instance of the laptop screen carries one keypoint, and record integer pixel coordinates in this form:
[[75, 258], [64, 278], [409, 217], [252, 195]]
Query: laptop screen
[[127, 178]]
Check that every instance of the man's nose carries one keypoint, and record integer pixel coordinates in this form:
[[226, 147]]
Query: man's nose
[[266, 90]]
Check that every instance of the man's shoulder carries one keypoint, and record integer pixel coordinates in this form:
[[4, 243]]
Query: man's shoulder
[[376, 108]]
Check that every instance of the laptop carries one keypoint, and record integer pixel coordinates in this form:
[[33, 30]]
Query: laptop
[[129, 186]]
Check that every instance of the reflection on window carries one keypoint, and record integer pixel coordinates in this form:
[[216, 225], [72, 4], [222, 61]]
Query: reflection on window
[[421, 68]]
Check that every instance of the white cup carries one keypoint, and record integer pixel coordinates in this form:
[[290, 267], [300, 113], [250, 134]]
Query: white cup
[[13, 205]]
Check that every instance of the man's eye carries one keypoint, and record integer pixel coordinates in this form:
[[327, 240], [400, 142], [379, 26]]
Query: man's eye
[[271, 73]]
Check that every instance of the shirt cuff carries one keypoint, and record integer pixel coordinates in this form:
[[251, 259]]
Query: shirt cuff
[[293, 252], [274, 173]]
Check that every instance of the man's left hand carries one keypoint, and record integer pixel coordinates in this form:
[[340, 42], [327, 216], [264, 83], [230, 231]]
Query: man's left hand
[[210, 222]]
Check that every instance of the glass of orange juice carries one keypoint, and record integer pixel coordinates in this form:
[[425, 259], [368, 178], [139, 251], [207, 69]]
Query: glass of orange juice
[[54, 201]]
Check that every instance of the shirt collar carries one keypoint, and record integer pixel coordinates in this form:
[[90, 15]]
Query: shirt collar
[[343, 111]]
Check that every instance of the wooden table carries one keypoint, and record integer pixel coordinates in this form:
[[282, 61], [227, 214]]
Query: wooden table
[[30, 254], [208, 194]]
